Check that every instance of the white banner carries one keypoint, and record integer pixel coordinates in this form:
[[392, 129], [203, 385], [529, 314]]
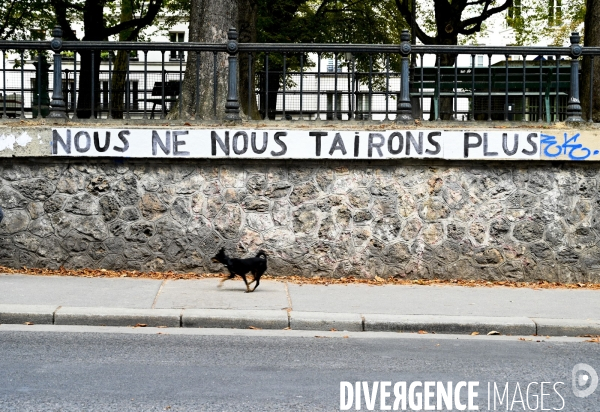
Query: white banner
[[296, 144]]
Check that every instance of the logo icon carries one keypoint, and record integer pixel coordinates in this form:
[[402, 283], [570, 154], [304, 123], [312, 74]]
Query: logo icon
[[584, 380]]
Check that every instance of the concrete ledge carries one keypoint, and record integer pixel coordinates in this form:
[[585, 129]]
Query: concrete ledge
[[567, 327], [37, 314], [117, 317], [238, 319], [449, 324], [325, 321]]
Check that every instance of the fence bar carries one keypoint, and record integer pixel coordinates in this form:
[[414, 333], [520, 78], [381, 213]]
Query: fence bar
[[489, 87], [196, 115], [422, 99], [93, 103], [370, 86], [540, 111], [74, 85], [404, 109], [249, 86], [524, 67], [127, 87], [179, 103], [162, 85], [39, 85], [437, 90], [267, 86], [215, 85], [472, 87], [232, 106], [591, 87], [574, 106], [110, 56], [556, 104], [22, 86], [145, 83], [387, 86], [301, 86], [506, 87], [284, 81], [4, 83], [455, 88], [318, 87], [57, 105], [352, 93]]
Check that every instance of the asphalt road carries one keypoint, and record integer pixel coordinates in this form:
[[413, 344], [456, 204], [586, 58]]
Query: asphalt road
[[78, 369]]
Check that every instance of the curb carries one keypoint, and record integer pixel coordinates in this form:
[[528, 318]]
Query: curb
[[450, 324], [282, 319]]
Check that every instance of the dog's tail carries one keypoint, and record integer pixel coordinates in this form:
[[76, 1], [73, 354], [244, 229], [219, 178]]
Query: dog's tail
[[261, 253]]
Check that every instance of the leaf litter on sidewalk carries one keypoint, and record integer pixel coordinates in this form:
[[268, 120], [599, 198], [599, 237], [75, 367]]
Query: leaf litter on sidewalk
[[300, 280]]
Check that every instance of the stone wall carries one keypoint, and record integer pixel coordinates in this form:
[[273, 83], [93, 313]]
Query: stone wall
[[419, 219]]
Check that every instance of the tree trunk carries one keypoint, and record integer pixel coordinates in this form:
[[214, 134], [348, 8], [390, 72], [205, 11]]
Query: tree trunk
[[88, 77], [120, 68], [209, 22], [591, 39], [89, 83], [247, 30]]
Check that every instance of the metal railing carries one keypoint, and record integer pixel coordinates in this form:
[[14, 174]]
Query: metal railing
[[400, 82]]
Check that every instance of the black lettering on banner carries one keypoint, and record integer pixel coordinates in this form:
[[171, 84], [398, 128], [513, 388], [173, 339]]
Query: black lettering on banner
[[57, 138], [375, 145], [177, 143], [264, 143], [468, 145], [122, 135], [280, 143], [156, 140], [214, 139], [505, 144], [411, 140], [435, 144], [235, 141], [99, 148], [533, 144], [485, 147], [391, 143], [88, 141], [338, 144], [318, 136], [356, 143]]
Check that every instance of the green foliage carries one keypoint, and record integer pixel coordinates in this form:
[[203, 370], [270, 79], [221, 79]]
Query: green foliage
[[19, 17], [535, 21]]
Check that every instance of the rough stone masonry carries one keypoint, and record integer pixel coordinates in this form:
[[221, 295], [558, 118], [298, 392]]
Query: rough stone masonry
[[415, 219]]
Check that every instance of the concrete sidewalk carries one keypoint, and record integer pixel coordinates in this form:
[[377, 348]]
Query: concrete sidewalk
[[279, 305]]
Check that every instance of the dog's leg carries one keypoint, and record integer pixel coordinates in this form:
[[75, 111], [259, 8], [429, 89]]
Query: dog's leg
[[256, 280], [224, 279]]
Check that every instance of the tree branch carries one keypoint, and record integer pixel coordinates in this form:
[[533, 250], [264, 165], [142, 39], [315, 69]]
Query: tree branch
[[154, 7], [475, 22], [402, 6], [60, 9]]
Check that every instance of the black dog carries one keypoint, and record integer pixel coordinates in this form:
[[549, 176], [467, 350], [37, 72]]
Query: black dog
[[256, 265]]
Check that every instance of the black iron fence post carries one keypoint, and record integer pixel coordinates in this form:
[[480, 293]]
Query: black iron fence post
[[232, 107], [574, 104], [57, 105], [404, 108]]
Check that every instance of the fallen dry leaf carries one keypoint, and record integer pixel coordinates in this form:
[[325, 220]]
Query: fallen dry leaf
[[29, 323], [299, 280], [494, 332], [422, 332], [254, 328], [288, 328], [333, 330], [345, 336], [474, 333], [140, 325], [595, 339]]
